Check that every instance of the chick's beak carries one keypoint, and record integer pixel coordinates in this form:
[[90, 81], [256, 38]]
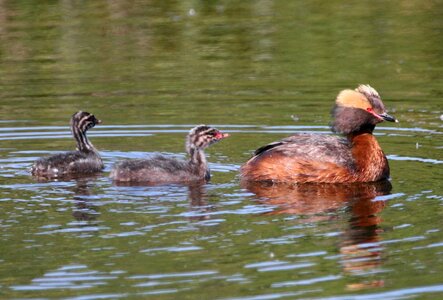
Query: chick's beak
[[221, 135], [388, 118]]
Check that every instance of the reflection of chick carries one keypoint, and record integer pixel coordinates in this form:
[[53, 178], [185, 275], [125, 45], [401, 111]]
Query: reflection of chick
[[84, 210], [198, 202]]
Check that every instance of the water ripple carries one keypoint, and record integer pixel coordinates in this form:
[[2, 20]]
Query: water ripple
[[171, 249], [55, 132], [396, 294], [306, 281], [409, 158], [174, 275], [69, 277]]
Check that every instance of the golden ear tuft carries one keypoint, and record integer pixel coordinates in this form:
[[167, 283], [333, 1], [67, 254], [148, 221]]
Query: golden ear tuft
[[367, 90], [354, 99]]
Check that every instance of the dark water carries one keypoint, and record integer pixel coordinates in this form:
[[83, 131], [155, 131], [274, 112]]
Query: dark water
[[259, 70]]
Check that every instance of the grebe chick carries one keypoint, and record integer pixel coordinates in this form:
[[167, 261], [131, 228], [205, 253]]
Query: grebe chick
[[162, 169], [357, 157], [84, 160]]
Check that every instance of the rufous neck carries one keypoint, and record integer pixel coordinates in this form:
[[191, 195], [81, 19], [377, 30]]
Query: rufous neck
[[369, 159]]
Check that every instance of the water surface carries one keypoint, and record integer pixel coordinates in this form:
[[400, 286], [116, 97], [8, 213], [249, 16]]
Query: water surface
[[259, 70]]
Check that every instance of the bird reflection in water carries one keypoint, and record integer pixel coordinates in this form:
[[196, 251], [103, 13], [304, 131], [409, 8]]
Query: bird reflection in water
[[361, 253], [84, 209], [198, 200], [199, 208]]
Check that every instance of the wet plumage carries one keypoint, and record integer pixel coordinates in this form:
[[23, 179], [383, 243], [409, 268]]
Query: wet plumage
[[356, 157], [164, 169], [85, 160]]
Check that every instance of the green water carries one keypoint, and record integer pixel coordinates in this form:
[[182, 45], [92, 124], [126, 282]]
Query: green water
[[259, 70]]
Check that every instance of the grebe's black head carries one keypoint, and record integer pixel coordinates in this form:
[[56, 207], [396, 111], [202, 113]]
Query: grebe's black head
[[82, 121], [358, 110], [203, 136]]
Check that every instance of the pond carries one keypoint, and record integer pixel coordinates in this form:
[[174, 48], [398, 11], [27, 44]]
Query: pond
[[258, 70]]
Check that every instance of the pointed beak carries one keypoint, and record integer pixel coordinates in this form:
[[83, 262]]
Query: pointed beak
[[388, 118], [221, 135]]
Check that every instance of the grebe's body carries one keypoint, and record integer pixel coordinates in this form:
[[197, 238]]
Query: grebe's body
[[357, 157], [163, 169], [159, 169], [85, 160]]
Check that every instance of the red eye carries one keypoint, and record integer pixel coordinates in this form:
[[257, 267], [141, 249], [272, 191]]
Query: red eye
[[369, 109]]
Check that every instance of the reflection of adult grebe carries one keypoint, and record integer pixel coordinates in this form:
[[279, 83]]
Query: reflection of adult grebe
[[310, 198], [162, 169], [359, 248], [320, 158], [85, 160]]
